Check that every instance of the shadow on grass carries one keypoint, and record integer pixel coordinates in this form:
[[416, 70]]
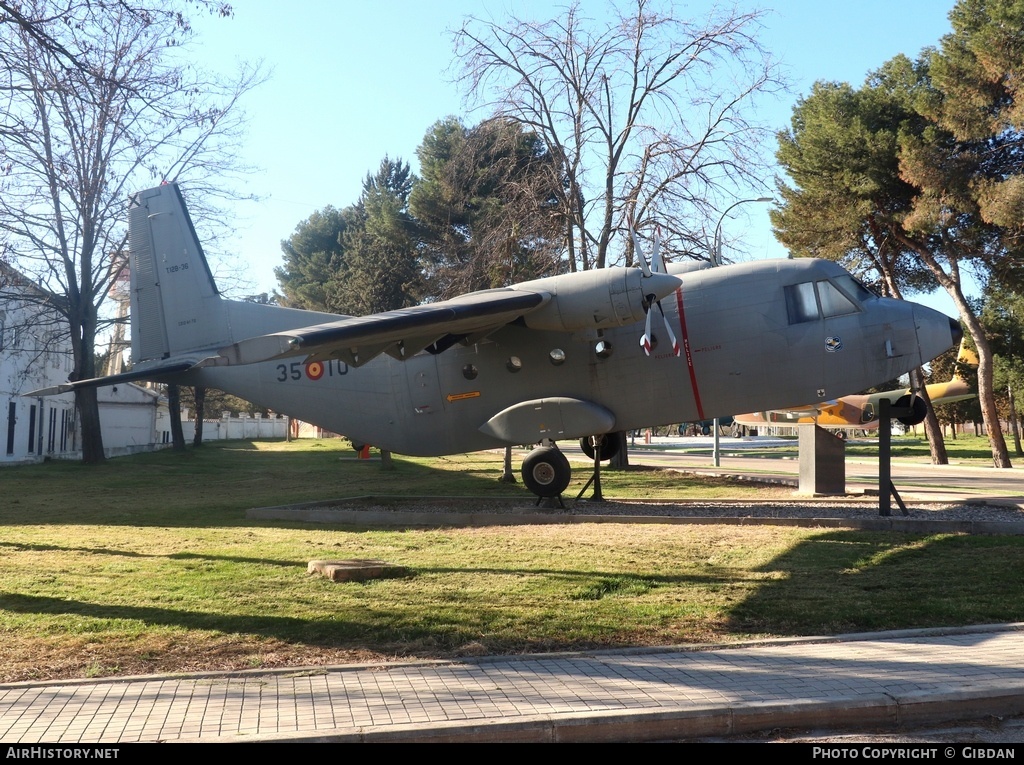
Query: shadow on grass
[[833, 582], [37, 547], [213, 486], [426, 621], [282, 627], [847, 581]]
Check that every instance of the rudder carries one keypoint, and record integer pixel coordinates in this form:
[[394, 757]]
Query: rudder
[[176, 307]]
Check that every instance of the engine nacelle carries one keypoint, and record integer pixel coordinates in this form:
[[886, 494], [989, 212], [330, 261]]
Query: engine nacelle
[[598, 299], [918, 410]]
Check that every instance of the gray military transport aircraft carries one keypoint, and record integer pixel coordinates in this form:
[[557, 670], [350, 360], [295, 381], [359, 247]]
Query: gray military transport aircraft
[[562, 357]]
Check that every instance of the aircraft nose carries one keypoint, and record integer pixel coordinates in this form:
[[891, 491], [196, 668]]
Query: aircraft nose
[[956, 331], [936, 332]]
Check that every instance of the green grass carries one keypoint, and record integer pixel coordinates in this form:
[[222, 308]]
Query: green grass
[[207, 484], [148, 564], [964, 449]]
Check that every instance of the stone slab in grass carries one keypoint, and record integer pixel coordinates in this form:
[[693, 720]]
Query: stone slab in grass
[[356, 570]]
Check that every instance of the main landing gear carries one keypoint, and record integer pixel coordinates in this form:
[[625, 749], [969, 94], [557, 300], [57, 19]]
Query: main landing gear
[[546, 471], [607, 446]]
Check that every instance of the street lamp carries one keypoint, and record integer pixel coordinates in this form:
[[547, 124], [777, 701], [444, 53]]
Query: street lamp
[[716, 260], [716, 252]]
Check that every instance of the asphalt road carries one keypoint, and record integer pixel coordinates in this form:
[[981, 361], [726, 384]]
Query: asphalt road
[[914, 479]]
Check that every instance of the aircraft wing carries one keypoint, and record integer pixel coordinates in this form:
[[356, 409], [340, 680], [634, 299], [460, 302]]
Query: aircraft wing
[[401, 333]]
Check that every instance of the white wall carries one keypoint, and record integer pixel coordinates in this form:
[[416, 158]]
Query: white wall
[[241, 426], [34, 353]]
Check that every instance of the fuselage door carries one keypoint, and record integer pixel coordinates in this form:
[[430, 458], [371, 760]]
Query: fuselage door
[[422, 380]]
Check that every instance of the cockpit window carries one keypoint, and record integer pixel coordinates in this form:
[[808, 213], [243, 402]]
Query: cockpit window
[[854, 288], [800, 303], [834, 302], [809, 301]]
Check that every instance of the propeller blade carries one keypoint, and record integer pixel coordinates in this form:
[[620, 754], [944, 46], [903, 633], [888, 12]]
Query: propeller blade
[[640, 258], [645, 338], [668, 328], [657, 261], [657, 266]]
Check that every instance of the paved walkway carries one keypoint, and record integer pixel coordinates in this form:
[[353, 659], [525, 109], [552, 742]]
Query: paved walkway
[[881, 679]]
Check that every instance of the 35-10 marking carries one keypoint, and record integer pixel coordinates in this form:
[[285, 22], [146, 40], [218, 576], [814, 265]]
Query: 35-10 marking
[[313, 370]]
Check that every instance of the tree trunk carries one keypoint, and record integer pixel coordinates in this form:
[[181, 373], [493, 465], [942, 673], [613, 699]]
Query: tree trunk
[[200, 397], [621, 459], [174, 405], [83, 337], [932, 429], [986, 397], [1014, 422], [385, 460], [89, 421], [986, 391]]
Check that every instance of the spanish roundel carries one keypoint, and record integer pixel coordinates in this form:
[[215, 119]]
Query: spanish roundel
[[314, 370]]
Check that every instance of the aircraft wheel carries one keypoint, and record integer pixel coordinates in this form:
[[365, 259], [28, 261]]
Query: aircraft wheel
[[546, 472], [917, 415], [609, 446], [705, 430]]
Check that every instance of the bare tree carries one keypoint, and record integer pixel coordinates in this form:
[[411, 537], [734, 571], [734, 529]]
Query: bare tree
[[37, 20], [99, 101], [641, 111]]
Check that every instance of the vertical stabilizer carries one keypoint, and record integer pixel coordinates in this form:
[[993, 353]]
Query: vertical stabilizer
[[176, 307], [965, 357]]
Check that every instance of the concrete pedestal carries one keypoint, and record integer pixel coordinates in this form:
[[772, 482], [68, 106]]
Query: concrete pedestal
[[822, 461]]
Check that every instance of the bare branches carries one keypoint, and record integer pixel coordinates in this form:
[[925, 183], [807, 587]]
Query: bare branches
[[101, 100], [646, 111]]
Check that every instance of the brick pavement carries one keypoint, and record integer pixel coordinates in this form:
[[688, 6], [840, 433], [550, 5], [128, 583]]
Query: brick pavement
[[878, 679]]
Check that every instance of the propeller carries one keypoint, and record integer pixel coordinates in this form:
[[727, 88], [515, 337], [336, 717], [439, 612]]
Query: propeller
[[657, 265]]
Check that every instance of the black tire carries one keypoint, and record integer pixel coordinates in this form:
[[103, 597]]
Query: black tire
[[609, 446], [919, 412], [705, 430], [546, 472]]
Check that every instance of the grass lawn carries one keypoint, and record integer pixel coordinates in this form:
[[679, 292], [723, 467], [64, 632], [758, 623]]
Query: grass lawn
[[966, 450], [147, 564], [963, 449]]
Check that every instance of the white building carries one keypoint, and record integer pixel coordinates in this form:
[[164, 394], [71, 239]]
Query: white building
[[35, 353], [132, 419]]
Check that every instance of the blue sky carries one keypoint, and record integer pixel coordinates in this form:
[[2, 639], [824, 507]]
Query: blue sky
[[352, 82]]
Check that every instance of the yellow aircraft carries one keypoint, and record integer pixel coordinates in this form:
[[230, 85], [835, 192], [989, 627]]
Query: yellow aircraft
[[861, 412]]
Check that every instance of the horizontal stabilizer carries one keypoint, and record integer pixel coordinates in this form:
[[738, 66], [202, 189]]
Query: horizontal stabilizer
[[152, 373]]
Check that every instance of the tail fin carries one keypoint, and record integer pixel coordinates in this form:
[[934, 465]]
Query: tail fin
[[965, 357], [176, 307]]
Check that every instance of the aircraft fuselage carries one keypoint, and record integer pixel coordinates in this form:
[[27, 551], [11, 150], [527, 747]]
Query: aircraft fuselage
[[744, 348]]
